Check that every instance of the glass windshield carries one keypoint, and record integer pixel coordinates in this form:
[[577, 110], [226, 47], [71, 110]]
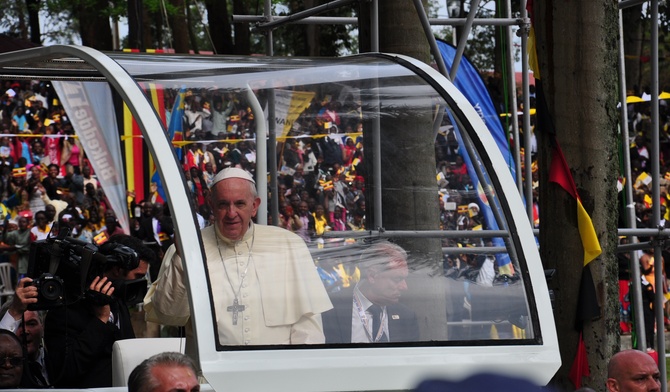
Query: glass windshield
[[435, 255]]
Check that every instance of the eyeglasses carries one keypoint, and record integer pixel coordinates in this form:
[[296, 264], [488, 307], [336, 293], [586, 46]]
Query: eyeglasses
[[14, 361]]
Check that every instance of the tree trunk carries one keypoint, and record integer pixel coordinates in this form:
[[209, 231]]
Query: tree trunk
[[94, 25], [34, 21], [134, 24], [406, 206], [400, 30], [242, 35], [179, 25], [219, 26], [18, 10], [577, 52], [313, 33], [633, 37], [189, 26]]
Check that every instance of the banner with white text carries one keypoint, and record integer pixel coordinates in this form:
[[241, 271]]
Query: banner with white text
[[95, 124]]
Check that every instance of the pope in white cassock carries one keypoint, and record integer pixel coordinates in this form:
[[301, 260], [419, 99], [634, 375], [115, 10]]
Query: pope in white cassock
[[266, 288]]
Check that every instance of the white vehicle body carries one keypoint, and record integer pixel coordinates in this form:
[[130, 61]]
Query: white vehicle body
[[323, 367]]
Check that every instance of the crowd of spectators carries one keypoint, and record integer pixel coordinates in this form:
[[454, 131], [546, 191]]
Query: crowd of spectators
[[321, 183], [641, 136]]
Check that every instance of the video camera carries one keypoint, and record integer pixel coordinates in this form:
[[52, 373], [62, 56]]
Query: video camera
[[62, 269]]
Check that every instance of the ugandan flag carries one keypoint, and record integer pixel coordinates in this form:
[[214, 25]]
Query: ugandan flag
[[588, 308], [138, 163]]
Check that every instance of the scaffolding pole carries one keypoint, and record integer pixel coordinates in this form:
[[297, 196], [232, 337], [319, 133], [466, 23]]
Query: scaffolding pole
[[431, 38], [273, 24], [636, 289], [656, 207], [463, 40]]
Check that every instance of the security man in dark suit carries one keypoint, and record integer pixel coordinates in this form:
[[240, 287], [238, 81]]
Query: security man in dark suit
[[371, 312]]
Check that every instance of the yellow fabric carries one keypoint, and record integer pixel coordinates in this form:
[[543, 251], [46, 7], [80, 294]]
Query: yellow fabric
[[320, 224], [348, 279], [588, 234], [494, 332]]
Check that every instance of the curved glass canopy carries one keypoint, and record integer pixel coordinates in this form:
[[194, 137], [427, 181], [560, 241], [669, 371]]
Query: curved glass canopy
[[347, 153]]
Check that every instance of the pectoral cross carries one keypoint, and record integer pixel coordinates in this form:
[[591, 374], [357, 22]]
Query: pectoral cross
[[236, 308]]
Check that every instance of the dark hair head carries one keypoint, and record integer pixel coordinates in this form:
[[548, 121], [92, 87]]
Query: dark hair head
[[16, 339], [141, 379], [134, 243]]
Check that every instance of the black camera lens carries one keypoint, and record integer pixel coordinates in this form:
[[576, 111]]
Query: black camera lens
[[50, 288]]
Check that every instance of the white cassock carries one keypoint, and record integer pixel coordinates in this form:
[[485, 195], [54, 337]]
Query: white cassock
[[270, 272]]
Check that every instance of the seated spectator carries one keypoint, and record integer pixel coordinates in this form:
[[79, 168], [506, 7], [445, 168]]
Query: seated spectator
[[164, 372], [51, 182], [41, 229], [17, 242], [112, 226], [321, 224], [371, 312]]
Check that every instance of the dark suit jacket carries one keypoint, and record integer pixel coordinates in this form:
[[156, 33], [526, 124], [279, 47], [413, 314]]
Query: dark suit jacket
[[80, 345], [402, 323], [146, 231]]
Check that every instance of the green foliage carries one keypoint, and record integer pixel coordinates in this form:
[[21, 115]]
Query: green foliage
[[663, 46], [10, 18], [481, 43], [291, 40], [199, 22]]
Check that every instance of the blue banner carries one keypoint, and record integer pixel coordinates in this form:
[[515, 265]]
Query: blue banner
[[470, 84]]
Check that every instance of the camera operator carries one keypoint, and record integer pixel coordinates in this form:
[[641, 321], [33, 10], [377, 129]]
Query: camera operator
[[79, 336]]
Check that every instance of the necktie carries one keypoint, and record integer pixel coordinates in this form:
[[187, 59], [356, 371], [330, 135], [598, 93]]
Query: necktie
[[376, 311], [36, 374]]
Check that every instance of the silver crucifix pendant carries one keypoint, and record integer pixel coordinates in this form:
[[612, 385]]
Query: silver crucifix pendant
[[235, 308]]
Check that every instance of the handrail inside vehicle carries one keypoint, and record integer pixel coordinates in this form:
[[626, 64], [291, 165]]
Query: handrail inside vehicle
[[402, 106]]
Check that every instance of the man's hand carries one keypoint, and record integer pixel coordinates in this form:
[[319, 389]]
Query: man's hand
[[102, 286], [26, 293]]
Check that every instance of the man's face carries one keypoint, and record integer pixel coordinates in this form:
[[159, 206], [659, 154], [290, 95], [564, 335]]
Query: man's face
[[174, 379], [41, 220], [638, 374], [233, 205], [387, 282], [110, 218], [51, 211], [139, 272], [304, 208], [146, 209], [23, 223], [34, 330], [53, 171], [10, 375], [295, 202]]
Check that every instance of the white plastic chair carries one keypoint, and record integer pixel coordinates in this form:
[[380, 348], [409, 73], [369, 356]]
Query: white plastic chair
[[6, 284]]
